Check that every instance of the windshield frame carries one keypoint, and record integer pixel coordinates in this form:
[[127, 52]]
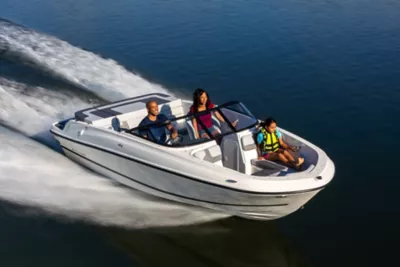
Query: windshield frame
[[197, 115]]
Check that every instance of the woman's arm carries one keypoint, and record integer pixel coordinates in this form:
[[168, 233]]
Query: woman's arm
[[219, 117], [196, 132]]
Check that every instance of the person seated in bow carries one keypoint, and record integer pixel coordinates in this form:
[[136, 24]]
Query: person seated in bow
[[270, 145]]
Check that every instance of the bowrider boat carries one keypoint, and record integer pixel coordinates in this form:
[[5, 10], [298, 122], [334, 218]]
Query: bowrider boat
[[220, 173]]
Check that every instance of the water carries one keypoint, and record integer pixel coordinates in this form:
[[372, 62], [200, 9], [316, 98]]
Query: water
[[325, 70]]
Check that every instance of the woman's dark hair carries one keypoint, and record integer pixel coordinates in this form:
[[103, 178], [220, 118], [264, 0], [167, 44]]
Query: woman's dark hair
[[196, 99], [268, 122]]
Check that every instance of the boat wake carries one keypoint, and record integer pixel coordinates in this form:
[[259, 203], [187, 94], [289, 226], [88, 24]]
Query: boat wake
[[102, 77], [32, 109], [34, 175]]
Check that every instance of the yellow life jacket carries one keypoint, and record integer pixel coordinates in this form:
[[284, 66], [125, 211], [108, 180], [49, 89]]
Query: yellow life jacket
[[271, 141]]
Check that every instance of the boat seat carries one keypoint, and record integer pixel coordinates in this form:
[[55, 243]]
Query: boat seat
[[268, 164], [212, 154], [266, 172], [268, 168], [248, 142], [117, 126], [190, 127], [216, 122]]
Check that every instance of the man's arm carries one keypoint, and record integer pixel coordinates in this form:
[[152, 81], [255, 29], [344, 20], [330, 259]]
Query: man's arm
[[172, 130], [170, 127], [143, 132]]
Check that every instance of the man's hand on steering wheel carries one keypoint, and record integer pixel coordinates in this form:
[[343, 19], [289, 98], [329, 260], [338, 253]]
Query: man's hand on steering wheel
[[174, 134]]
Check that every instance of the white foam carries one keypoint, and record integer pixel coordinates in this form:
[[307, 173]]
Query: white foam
[[104, 77], [34, 175], [32, 110]]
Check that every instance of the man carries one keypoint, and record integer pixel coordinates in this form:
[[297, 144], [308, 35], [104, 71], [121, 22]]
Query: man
[[156, 132]]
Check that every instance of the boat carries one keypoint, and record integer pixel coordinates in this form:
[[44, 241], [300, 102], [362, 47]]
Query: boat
[[219, 172]]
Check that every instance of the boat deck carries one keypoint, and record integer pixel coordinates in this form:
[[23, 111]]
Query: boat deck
[[120, 107]]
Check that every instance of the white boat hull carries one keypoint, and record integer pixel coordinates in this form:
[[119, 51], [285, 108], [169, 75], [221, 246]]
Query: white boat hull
[[220, 173], [262, 206]]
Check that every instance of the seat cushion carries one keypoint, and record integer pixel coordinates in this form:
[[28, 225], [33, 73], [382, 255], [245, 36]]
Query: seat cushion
[[268, 164]]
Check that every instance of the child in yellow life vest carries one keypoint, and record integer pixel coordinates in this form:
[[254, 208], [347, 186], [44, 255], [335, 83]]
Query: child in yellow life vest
[[272, 147]]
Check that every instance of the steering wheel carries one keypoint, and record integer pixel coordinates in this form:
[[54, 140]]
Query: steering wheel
[[174, 141], [296, 148]]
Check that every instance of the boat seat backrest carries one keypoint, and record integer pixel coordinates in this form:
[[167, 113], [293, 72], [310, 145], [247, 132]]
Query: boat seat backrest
[[248, 143], [215, 121], [211, 154], [115, 124], [190, 129], [132, 119], [118, 125], [172, 109], [127, 120]]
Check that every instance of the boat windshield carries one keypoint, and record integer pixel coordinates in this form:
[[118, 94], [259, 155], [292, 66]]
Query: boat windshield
[[212, 124]]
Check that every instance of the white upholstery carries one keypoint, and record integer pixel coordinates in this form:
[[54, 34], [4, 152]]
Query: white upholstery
[[216, 122], [211, 154], [248, 142], [172, 109], [190, 129], [268, 164], [132, 119], [200, 154], [125, 125]]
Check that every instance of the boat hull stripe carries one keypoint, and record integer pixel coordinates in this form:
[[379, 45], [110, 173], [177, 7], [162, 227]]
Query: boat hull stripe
[[182, 175]]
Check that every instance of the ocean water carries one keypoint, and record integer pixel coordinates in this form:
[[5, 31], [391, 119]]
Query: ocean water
[[326, 70]]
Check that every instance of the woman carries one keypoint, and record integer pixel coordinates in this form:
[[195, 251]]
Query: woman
[[202, 102], [272, 147]]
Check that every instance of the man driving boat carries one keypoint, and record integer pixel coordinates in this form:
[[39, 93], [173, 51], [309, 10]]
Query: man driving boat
[[157, 131]]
